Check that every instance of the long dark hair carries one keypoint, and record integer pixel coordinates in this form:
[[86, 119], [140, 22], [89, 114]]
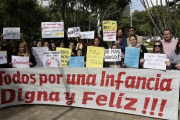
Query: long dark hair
[[161, 50], [177, 50]]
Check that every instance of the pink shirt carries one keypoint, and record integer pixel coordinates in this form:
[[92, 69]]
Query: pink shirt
[[169, 47]]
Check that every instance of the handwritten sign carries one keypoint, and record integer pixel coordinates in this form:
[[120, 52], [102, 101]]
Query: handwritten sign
[[74, 32], [65, 53], [38, 54], [52, 59], [11, 33], [52, 29], [87, 35], [95, 56], [112, 55], [3, 58], [20, 62], [155, 61], [109, 25], [109, 35], [76, 61], [132, 57]]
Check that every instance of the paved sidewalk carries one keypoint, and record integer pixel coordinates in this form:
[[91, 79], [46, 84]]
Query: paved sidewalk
[[50, 112]]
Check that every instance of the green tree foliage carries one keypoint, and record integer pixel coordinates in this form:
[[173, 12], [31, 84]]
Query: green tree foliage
[[26, 14]]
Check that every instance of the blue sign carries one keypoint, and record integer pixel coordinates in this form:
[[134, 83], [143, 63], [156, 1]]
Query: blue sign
[[132, 57], [76, 62]]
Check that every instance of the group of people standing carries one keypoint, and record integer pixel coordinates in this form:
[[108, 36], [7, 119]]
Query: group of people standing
[[168, 46]]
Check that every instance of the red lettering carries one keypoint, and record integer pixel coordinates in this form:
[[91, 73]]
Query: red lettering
[[33, 79], [119, 81], [41, 80], [70, 99], [25, 79], [149, 83], [129, 105], [86, 97], [132, 80], [3, 96], [55, 98], [167, 82], [52, 78], [30, 96], [101, 98]]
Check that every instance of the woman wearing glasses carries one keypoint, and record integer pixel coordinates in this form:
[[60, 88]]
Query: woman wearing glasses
[[157, 48]]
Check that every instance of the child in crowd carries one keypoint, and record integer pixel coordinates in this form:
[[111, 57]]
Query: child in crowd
[[39, 44], [53, 46], [62, 44], [72, 47]]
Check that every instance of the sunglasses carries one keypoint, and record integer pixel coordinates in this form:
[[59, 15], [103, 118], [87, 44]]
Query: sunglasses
[[157, 45]]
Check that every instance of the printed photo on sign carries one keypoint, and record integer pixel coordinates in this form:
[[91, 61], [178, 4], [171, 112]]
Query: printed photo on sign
[[112, 55], [52, 59], [11, 33], [3, 57], [155, 61], [87, 35], [76, 61], [20, 62], [38, 54], [52, 29], [109, 35], [132, 57], [74, 32]]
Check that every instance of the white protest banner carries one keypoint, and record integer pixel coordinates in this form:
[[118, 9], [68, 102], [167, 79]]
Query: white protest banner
[[112, 55], [87, 35], [109, 35], [3, 55], [52, 59], [11, 33], [38, 54], [74, 32], [155, 61], [52, 29], [20, 62], [152, 93]]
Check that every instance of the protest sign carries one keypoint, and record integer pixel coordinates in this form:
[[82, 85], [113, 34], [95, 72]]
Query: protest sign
[[38, 54], [3, 55], [109, 35], [112, 55], [95, 56], [20, 62], [154, 93], [132, 57], [11, 33], [87, 35], [76, 61], [65, 53], [109, 25], [52, 59], [74, 32], [52, 29], [155, 61]]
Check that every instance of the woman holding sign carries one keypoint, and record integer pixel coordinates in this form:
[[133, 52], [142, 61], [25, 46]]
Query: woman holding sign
[[24, 51], [135, 44]]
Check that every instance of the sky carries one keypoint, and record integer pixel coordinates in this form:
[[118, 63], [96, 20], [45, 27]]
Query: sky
[[137, 5]]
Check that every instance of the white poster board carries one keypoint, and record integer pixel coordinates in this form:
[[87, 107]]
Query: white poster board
[[87, 35], [155, 61], [3, 55], [112, 55], [20, 62], [52, 59], [74, 32], [52, 29], [109, 35], [38, 54], [11, 33]]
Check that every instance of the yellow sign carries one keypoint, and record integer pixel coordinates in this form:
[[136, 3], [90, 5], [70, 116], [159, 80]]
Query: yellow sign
[[65, 53], [109, 25], [95, 56]]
